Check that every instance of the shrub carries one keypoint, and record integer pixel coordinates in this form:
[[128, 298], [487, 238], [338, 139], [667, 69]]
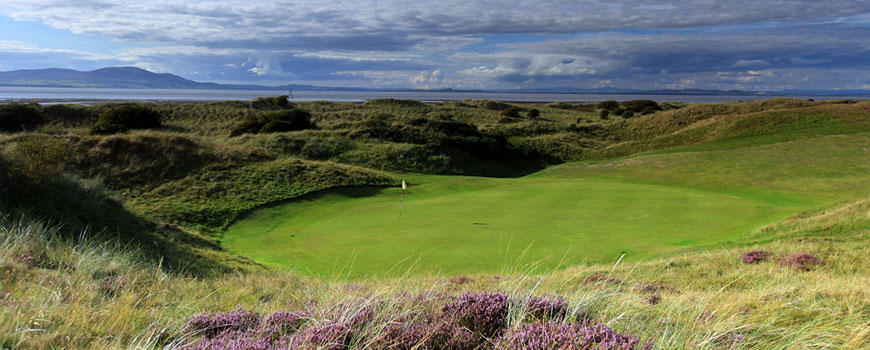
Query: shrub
[[755, 256], [554, 335], [277, 102], [33, 161], [608, 105], [18, 117], [801, 261], [70, 115], [125, 117], [641, 106], [604, 114], [484, 313], [534, 113], [619, 111], [487, 104], [628, 114], [277, 121], [212, 325], [511, 112]]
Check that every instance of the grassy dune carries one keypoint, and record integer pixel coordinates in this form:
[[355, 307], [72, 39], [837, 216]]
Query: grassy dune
[[118, 242]]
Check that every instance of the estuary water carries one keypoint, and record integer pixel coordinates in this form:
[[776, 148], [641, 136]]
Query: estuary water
[[97, 95]]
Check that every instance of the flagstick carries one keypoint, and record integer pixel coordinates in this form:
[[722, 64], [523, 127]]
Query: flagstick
[[402, 200]]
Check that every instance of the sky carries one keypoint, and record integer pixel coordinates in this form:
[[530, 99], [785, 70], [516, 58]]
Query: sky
[[761, 45]]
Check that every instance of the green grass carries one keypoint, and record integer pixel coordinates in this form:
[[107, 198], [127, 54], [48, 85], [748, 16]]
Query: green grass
[[589, 211], [464, 225]]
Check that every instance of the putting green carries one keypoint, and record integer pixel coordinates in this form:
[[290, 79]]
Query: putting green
[[456, 225]]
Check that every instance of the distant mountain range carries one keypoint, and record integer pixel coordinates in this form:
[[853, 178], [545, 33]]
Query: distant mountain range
[[136, 78]]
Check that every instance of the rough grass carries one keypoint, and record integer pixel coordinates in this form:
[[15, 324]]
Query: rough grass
[[99, 295], [217, 195]]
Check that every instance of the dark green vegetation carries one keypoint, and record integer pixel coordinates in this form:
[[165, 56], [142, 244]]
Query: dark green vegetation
[[18, 117], [122, 118]]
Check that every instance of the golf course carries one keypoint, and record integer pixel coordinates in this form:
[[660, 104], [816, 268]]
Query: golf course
[[402, 225], [467, 225], [578, 212]]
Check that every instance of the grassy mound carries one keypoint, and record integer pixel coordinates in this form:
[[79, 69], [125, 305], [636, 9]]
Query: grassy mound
[[217, 195]]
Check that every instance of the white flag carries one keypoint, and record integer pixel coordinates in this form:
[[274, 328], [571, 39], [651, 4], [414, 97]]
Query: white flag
[[404, 185]]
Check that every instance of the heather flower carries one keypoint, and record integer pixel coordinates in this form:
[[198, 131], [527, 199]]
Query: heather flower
[[402, 335], [598, 277], [283, 323], [214, 324], [755, 256], [568, 336], [329, 336], [239, 340], [444, 335], [484, 313], [801, 261]]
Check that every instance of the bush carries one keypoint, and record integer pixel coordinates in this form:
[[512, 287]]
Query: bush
[[641, 106], [33, 161], [801, 261], [68, 114], [277, 102], [608, 105], [18, 117], [628, 114], [534, 113], [755, 256], [604, 114], [278, 121], [125, 117], [511, 112]]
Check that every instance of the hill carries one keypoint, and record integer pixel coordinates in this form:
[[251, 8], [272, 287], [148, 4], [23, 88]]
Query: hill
[[137, 78]]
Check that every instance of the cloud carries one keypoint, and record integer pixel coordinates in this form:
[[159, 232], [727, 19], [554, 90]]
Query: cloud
[[394, 24], [750, 63], [472, 43]]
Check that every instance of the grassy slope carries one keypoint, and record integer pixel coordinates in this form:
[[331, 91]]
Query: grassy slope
[[71, 297]]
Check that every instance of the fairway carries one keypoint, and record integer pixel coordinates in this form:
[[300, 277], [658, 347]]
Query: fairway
[[456, 225]]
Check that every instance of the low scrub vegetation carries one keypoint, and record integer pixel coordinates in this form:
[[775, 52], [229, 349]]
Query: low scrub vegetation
[[280, 121], [125, 117], [19, 117]]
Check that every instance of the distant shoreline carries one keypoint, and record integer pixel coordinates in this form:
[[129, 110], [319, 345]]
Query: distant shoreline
[[103, 95]]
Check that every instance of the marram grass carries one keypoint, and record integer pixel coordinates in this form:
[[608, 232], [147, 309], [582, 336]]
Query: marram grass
[[57, 293]]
